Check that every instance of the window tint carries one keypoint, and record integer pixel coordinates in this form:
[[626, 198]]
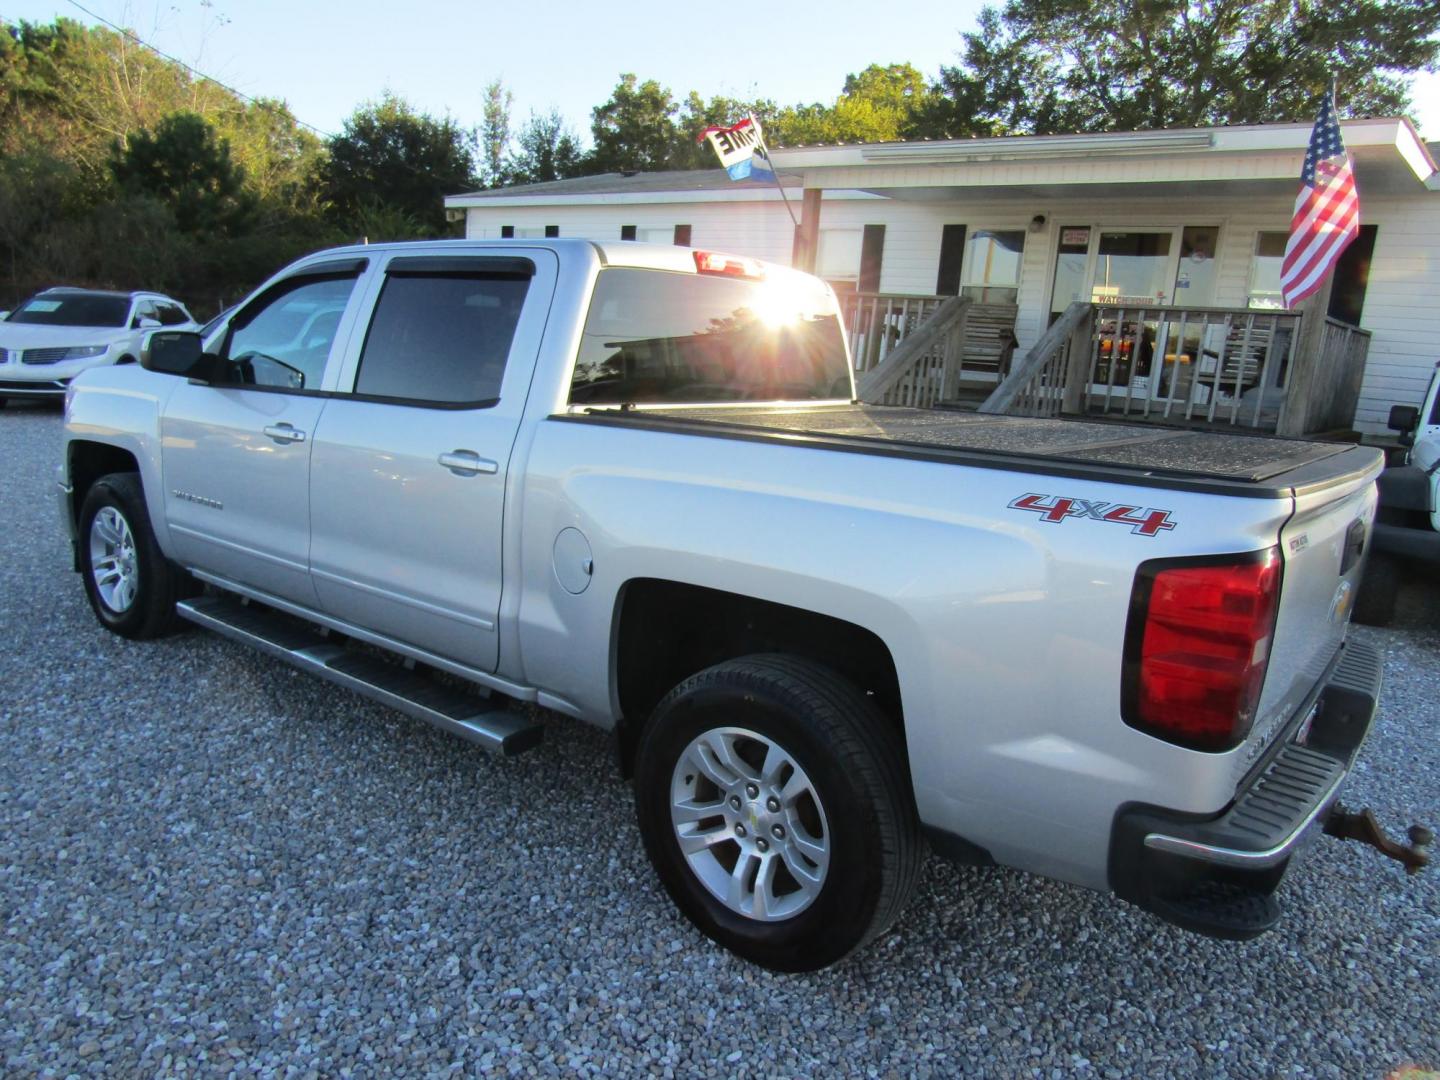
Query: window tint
[[653, 336], [441, 337], [72, 310], [172, 315], [283, 338]]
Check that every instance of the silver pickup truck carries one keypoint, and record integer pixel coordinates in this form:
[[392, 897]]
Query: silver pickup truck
[[632, 484]]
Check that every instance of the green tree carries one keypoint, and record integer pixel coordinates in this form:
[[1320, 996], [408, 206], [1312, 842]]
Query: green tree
[[876, 105], [547, 150], [1040, 66], [495, 133], [186, 167], [634, 130], [393, 155]]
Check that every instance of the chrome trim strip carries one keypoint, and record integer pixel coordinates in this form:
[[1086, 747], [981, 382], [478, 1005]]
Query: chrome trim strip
[[1250, 860], [386, 594], [475, 675]]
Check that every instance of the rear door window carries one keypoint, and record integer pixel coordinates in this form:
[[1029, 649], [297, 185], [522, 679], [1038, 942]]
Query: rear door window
[[442, 330], [172, 315], [655, 336]]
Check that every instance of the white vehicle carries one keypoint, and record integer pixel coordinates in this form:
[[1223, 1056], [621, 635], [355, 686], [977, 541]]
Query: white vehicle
[[631, 484], [58, 333], [1407, 529]]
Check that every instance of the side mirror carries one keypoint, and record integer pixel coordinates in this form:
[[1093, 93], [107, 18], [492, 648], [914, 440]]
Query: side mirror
[[1403, 417], [176, 352]]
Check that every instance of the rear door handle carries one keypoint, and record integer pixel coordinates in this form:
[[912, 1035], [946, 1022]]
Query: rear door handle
[[467, 463], [285, 433]]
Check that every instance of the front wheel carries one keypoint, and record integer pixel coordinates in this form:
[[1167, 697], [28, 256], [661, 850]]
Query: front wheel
[[131, 586], [773, 800]]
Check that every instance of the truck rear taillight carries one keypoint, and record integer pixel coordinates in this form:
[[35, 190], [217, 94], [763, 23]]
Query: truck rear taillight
[[1197, 646]]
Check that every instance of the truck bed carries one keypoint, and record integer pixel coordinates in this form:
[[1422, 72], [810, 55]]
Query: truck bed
[[1251, 465]]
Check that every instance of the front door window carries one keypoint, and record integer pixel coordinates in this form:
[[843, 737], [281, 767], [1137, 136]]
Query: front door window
[[1132, 268]]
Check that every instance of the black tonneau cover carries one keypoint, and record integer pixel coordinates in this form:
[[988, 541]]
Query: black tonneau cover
[[1135, 453]]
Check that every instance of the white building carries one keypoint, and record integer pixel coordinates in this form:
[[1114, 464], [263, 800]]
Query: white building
[[1192, 218]]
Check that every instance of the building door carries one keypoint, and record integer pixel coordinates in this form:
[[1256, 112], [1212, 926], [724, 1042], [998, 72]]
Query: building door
[[1129, 271]]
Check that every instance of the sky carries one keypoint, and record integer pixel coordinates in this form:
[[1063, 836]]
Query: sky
[[566, 54]]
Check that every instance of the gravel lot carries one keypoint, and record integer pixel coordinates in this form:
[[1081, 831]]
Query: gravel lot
[[212, 865]]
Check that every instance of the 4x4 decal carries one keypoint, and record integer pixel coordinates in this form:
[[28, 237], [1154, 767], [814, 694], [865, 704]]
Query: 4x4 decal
[[1056, 508]]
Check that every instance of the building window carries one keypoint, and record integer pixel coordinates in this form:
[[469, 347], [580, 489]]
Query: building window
[[552, 231], [1352, 275], [990, 272], [1264, 288], [838, 258], [507, 232], [627, 232], [682, 235]]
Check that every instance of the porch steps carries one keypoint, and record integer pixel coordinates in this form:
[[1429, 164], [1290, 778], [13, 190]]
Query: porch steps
[[488, 724]]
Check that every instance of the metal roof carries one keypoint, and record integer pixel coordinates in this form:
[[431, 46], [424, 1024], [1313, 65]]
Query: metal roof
[[628, 183]]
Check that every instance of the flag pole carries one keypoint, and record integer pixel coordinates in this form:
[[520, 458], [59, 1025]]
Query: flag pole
[[774, 172]]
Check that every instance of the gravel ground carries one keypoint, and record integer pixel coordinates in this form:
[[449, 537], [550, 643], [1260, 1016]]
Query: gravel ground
[[212, 865]]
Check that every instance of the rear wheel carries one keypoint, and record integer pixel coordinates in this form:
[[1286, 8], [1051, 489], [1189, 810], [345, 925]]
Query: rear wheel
[[773, 801], [131, 586]]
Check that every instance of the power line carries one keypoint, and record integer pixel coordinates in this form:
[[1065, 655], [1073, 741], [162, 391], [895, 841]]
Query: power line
[[198, 74]]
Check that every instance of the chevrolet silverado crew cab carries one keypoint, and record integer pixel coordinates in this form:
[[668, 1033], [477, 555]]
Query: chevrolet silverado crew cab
[[632, 484]]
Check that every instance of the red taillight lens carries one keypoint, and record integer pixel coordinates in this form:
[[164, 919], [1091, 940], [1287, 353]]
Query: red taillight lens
[[1197, 647], [712, 262]]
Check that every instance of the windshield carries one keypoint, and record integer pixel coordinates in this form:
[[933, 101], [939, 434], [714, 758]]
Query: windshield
[[77, 310], [653, 336]]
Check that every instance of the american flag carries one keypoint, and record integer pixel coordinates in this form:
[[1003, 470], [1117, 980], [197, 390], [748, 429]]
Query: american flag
[[1327, 210]]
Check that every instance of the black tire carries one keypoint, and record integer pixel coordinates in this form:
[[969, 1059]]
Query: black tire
[[1379, 587], [853, 758], [159, 583]]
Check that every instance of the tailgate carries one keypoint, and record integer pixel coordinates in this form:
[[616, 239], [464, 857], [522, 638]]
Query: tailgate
[[1323, 546]]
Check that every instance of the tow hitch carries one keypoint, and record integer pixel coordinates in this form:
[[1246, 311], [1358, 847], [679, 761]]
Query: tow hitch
[[1363, 826]]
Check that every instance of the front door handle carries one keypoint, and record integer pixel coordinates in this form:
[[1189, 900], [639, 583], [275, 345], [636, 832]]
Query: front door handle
[[467, 463], [285, 433]]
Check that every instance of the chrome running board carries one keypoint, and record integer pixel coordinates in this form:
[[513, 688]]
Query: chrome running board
[[487, 724]]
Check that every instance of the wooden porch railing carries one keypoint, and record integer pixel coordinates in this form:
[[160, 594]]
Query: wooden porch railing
[[1046, 382], [1324, 398], [875, 323], [1234, 367], [924, 368]]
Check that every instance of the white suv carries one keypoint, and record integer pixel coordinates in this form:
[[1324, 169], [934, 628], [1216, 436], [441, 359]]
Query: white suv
[[58, 333]]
